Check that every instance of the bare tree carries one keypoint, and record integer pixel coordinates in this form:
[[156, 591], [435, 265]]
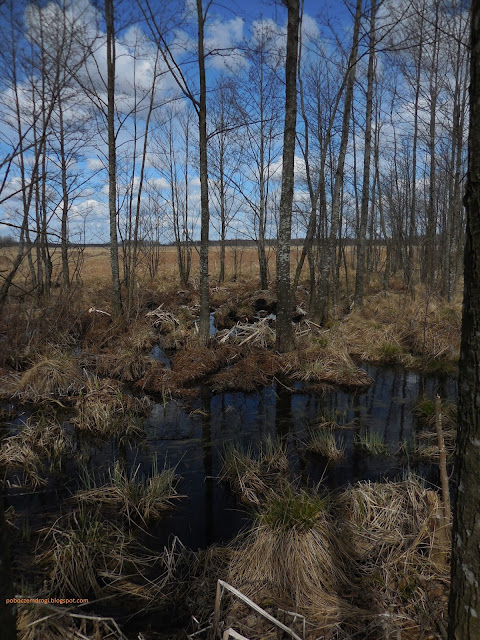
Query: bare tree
[[112, 159], [362, 228], [284, 333]]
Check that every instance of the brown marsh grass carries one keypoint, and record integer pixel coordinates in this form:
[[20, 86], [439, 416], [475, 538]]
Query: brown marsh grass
[[78, 549], [105, 409], [40, 441], [46, 622], [392, 327], [371, 561], [403, 552], [252, 477], [324, 443], [294, 558], [136, 497], [54, 376], [326, 361]]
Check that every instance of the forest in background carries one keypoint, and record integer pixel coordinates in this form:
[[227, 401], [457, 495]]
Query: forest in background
[[100, 112]]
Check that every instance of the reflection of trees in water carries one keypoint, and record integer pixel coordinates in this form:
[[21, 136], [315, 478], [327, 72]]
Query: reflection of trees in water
[[206, 398]]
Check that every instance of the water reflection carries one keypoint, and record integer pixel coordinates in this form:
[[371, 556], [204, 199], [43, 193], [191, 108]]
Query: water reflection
[[193, 442]]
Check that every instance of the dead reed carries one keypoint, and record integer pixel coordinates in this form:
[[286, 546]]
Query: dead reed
[[105, 409], [56, 376], [324, 443], [46, 622], [294, 558], [38, 446], [131, 494]]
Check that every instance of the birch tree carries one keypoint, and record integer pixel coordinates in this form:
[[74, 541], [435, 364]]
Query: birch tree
[[284, 333]]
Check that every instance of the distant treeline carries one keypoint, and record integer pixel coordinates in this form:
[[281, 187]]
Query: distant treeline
[[9, 241]]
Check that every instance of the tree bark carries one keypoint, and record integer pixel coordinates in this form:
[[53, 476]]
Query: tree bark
[[112, 160], [464, 605], [204, 322], [362, 231], [284, 333]]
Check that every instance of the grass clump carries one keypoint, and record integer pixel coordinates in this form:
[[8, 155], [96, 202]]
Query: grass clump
[[402, 551], [105, 410], [38, 446], [372, 443], [331, 364], [80, 547], [57, 375], [293, 557], [389, 351], [244, 473], [134, 496], [292, 510], [253, 476], [125, 363], [253, 371], [324, 443], [424, 411], [273, 454]]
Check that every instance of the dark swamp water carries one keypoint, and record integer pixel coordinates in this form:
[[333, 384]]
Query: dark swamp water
[[193, 440]]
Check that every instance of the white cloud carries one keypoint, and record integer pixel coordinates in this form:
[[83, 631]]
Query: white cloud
[[221, 39], [159, 183], [95, 164], [299, 168]]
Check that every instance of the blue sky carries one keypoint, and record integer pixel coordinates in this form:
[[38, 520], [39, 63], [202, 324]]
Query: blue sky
[[229, 24]]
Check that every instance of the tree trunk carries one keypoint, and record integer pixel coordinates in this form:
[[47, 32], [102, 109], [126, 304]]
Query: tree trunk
[[204, 324], [65, 200], [284, 294], [464, 605], [362, 231], [328, 261], [112, 160]]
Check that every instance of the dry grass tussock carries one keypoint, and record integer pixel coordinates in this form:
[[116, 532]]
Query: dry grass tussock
[[294, 557], [38, 445], [176, 324], [47, 622], [403, 554], [392, 327], [136, 497], [194, 363], [254, 370], [79, 549], [105, 409], [252, 477], [325, 360], [54, 376], [322, 441], [123, 355], [30, 327], [85, 555], [176, 578], [124, 363], [372, 562]]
